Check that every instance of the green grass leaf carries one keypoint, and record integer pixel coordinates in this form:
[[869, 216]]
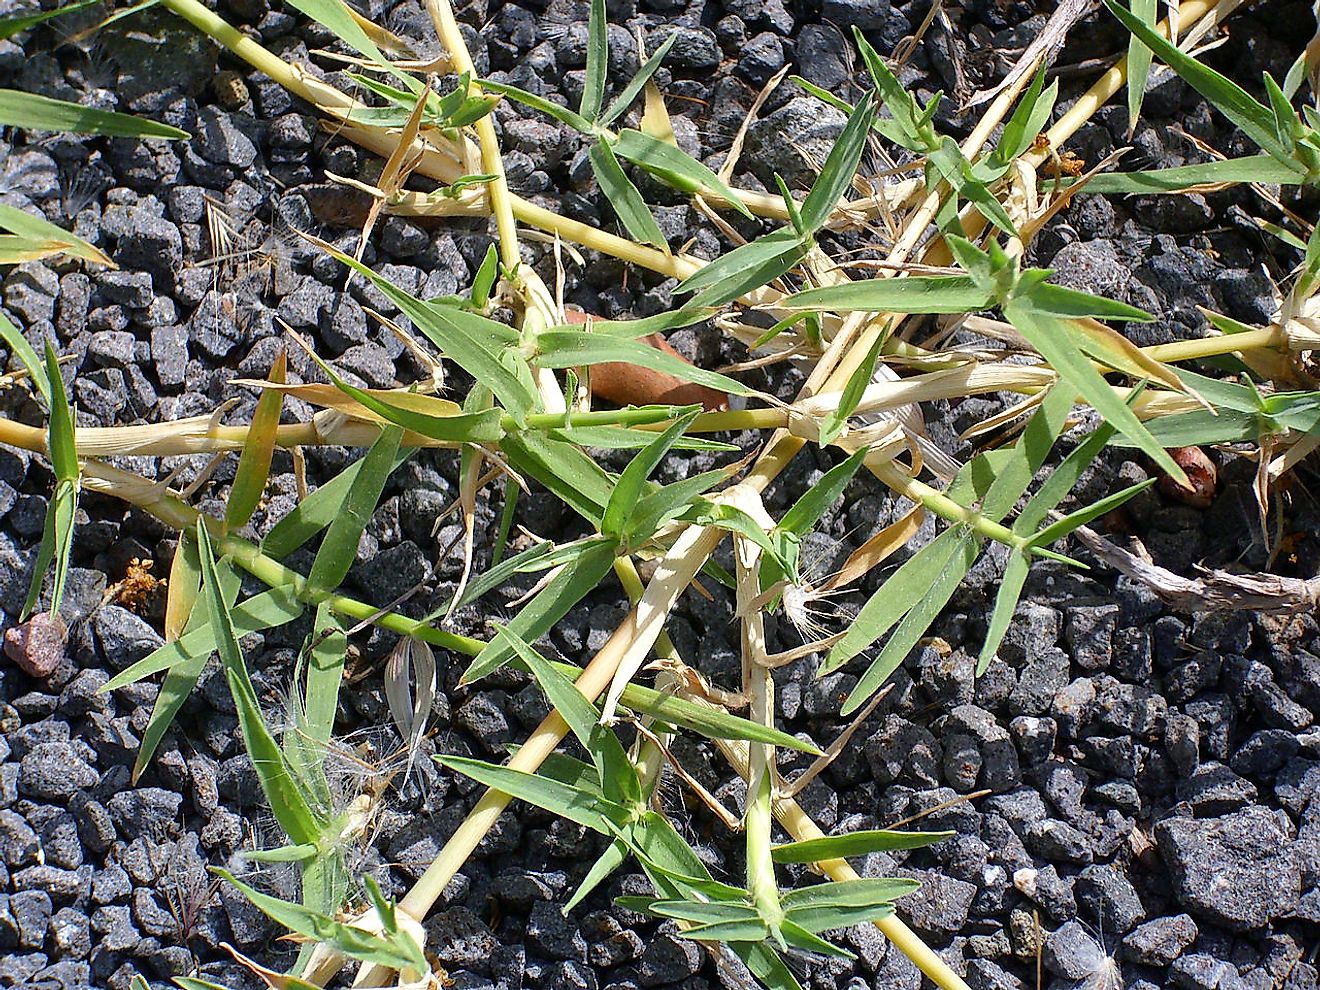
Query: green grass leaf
[[903, 589], [577, 578], [550, 109], [340, 546], [1045, 333], [286, 800], [1082, 516], [628, 204], [827, 917], [745, 268], [840, 166], [54, 240], [41, 113], [626, 438], [315, 512], [696, 912], [910, 130], [1254, 168], [181, 678], [614, 856], [20, 348], [931, 600], [667, 502], [564, 469], [10, 26], [598, 54], [956, 170], [849, 893], [352, 942], [1251, 116], [1138, 60], [334, 15], [629, 93], [803, 515], [1028, 120], [475, 427], [1057, 300], [679, 169], [254, 460], [836, 420], [632, 482], [323, 659], [57, 533], [481, 347], [575, 348], [484, 280], [708, 722], [580, 807], [1013, 475], [1012, 582], [918, 294], [263, 611], [854, 844], [618, 776]]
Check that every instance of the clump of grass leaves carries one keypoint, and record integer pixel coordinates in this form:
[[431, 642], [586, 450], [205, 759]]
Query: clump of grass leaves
[[522, 423]]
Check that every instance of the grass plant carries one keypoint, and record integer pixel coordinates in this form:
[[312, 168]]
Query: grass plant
[[961, 232]]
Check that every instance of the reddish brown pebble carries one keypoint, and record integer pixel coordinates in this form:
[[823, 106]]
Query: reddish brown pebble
[[1201, 473], [632, 385], [37, 646]]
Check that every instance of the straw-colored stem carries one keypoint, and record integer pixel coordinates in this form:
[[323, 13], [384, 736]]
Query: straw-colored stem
[[442, 15], [155, 499], [1271, 337], [595, 678], [800, 825]]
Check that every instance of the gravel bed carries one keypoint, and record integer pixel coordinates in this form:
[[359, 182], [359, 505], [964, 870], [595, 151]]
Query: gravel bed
[[1153, 778]]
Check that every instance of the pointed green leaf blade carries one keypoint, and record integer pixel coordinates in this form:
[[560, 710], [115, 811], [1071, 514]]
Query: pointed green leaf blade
[[917, 620], [42, 113], [628, 204], [577, 578], [287, 802], [632, 482], [593, 84], [840, 166], [852, 844], [666, 162], [340, 546]]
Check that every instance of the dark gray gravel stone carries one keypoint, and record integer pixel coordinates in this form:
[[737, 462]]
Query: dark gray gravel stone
[[821, 55], [1161, 941], [1106, 894], [145, 812], [1202, 971], [71, 933], [169, 355], [1264, 752], [124, 636], [549, 931], [54, 771], [18, 842], [148, 242], [1058, 842], [1239, 871], [668, 959], [940, 906], [1071, 952], [460, 939], [1213, 789]]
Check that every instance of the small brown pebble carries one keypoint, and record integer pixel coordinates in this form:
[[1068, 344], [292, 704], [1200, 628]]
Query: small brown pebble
[[1201, 473], [37, 646], [630, 384]]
